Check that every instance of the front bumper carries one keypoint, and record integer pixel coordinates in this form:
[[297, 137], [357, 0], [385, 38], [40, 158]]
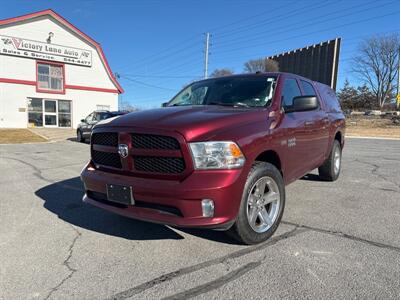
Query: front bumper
[[224, 187]]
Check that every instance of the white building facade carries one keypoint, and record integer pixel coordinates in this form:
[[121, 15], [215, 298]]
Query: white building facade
[[51, 73]]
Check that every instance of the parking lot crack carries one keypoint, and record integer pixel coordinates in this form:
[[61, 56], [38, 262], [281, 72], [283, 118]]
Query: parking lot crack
[[215, 284], [36, 171], [375, 171], [191, 269], [67, 264], [345, 235], [38, 174]]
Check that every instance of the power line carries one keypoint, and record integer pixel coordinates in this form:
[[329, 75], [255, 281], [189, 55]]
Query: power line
[[344, 43], [164, 53], [261, 35], [160, 76], [313, 32], [146, 84], [216, 29], [166, 50], [274, 19], [290, 28]]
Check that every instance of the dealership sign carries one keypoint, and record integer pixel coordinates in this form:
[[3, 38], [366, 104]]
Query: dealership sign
[[38, 50]]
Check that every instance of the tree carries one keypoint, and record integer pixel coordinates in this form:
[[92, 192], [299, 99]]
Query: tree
[[261, 65], [358, 98], [254, 65], [376, 65], [271, 65], [365, 98], [221, 72], [129, 107], [347, 96]]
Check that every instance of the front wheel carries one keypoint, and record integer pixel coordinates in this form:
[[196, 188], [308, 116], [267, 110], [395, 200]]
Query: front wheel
[[262, 205]]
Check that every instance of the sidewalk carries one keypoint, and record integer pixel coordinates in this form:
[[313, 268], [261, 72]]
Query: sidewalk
[[55, 134]]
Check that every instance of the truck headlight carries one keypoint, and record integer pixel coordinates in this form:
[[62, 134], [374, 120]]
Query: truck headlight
[[216, 155]]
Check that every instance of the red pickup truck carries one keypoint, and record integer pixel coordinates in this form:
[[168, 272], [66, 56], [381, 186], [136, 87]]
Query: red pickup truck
[[219, 154]]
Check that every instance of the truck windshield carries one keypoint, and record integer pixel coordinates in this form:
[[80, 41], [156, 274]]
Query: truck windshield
[[246, 91]]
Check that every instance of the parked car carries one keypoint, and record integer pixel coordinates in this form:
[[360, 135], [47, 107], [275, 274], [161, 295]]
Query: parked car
[[85, 127], [219, 154]]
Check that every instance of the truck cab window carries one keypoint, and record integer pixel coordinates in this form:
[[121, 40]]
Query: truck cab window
[[308, 88], [290, 90]]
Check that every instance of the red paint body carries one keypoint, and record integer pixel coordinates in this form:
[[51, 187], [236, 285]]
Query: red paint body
[[259, 132]]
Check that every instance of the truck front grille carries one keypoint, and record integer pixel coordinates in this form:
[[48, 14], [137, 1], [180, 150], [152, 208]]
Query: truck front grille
[[105, 139], [168, 165], [150, 141], [108, 159], [151, 153]]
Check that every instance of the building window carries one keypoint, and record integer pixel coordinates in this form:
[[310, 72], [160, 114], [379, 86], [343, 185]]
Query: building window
[[35, 112], [64, 113], [50, 78], [49, 113]]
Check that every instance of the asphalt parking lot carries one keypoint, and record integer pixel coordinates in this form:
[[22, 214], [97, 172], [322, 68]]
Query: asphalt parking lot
[[337, 240]]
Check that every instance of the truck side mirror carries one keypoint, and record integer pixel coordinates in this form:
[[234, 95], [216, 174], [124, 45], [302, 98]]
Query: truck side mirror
[[83, 121], [165, 104], [305, 103]]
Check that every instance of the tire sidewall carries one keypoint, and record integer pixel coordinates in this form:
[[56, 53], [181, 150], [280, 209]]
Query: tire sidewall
[[336, 145], [79, 136], [243, 228]]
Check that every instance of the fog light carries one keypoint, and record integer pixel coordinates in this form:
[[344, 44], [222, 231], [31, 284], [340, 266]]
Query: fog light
[[207, 206]]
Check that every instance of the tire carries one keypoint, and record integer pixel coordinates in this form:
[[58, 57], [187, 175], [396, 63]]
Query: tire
[[330, 169], [251, 232], [79, 136]]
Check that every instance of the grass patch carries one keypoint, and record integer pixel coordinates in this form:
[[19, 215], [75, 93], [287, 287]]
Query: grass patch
[[17, 136], [372, 126]]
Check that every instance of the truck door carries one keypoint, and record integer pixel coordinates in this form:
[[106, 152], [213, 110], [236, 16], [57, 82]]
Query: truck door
[[293, 123], [316, 127]]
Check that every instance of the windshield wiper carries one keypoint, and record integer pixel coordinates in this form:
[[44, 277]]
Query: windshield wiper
[[238, 104]]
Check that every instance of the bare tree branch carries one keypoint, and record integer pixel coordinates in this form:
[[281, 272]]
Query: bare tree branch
[[376, 65]]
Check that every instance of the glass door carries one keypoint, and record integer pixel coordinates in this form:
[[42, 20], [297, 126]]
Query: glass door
[[50, 113], [35, 112]]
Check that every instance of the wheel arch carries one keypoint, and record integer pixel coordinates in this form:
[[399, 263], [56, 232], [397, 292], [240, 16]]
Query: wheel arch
[[272, 157], [339, 137]]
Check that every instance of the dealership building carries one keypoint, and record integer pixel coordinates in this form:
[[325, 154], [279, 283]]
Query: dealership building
[[51, 73]]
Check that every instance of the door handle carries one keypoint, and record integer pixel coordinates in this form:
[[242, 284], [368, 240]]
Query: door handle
[[309, 123]]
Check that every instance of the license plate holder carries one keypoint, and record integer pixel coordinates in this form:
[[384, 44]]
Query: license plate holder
[[120, 194]]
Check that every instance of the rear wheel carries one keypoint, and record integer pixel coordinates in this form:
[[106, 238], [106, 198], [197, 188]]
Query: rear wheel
[[79, 136], [262, 205], [330, 169]]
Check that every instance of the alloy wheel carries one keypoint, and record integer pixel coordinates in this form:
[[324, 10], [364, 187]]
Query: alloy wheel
[[263, 204]]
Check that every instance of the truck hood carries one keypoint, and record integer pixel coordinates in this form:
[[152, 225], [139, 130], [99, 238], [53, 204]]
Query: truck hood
[[193, 122]]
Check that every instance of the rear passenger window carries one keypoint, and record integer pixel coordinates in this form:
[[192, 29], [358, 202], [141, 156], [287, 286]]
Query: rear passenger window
[[290, 90], [308, 88]]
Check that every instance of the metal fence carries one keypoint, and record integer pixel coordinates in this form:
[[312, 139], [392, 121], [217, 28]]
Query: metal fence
[[317, 62]]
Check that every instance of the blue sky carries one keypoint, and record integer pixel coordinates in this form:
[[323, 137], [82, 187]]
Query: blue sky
[[157, 46]]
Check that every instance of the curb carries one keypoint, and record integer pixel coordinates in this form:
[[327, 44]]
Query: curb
[[372, 137]]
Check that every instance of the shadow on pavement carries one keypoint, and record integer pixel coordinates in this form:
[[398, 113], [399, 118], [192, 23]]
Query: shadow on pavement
[[73, 139], [311, 177], [64, 199]]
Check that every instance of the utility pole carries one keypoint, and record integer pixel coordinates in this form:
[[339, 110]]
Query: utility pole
[[206, 52], [117, 76], [398, 81]]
